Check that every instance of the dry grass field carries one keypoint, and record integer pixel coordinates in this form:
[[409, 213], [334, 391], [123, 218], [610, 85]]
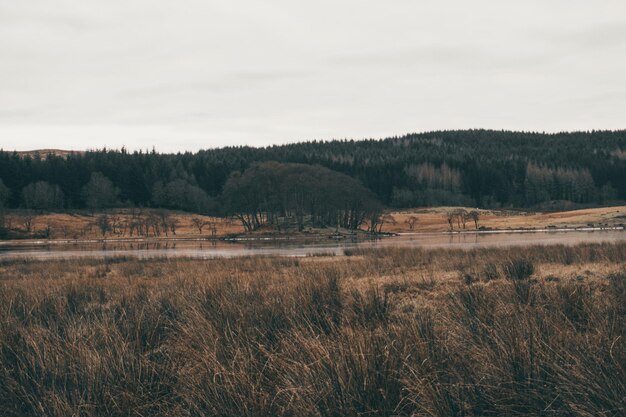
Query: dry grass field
[[380, 332], [81, 226], [84, 225], [434, 219]]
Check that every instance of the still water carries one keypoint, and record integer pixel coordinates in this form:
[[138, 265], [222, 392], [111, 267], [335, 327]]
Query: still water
[[220, 249]]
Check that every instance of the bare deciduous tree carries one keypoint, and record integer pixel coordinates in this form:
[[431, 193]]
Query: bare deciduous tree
[[27, 221], [134, 223], [460, 216], [42, 195], [165, 219], [173, 226], [116, 224], [153, 221], [104, 224], [213, 227], [474, 215], [411, 221], [100, 192], [199, 223], [386, 218], [450, 217]]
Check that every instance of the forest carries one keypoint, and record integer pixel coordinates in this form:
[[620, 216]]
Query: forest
[[479, 168]]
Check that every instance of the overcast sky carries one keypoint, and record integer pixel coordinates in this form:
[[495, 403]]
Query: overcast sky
[[192, 74]]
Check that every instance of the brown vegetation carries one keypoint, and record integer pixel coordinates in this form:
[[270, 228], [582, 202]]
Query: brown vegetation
[[437, 219], [160, 223], [119, 223], [389, 332]]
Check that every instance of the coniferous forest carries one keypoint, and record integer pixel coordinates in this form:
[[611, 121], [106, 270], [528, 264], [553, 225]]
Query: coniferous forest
[[481, 168]]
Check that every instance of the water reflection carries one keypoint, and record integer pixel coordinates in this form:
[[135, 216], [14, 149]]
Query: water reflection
[[288, 247]]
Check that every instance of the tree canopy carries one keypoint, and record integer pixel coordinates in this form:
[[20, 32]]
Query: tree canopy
[[482, 168], [270, 192]]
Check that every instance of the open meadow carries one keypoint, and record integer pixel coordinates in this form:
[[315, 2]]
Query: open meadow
[[378, 332]]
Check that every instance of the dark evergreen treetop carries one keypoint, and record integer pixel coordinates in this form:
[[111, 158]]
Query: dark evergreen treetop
[[470, 167]]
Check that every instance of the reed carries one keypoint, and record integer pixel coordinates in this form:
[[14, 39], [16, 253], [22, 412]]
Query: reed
[[388, 332]]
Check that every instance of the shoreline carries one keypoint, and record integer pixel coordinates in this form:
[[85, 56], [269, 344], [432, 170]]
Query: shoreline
[[292, 237]]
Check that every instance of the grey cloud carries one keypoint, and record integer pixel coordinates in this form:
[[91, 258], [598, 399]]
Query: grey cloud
[[600, 35], [458, 57], [23, 113], [262, 72], [56, 20], [221, 84], [17, 113], [614, 97]]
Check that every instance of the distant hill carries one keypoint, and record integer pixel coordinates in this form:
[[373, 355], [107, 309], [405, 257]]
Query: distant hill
[[43, 153]]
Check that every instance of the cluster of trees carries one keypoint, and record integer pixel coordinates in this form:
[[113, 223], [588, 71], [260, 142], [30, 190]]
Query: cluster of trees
[[481, 168], [137, 223], [575, 185], [133, 222], [182, 195], [42, 195], [277, 194], [461, 217], [431, 185]]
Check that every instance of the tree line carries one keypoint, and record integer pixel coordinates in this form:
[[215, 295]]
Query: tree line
[[480, 168]]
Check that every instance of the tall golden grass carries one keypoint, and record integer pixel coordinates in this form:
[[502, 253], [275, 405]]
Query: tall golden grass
[[391, 332]]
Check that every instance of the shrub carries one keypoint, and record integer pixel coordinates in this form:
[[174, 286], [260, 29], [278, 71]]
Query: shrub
[[519, 269]]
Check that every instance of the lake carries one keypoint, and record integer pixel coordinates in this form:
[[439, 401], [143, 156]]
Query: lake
[[41, 250]]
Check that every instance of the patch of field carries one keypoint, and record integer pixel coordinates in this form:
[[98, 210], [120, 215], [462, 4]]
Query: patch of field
[[434, 219], [85, 225], [152, 223], [380, 332]]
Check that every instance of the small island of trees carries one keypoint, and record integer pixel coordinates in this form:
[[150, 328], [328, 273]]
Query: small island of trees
[[275, 194]]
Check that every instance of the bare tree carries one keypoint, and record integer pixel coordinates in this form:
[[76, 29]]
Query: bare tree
[[116, 224], [135, 222], [464, 218], [460, 215], [213, 227], [86, 229], [153, 221], [167, 222], [450, 217], [27, 221], [386, 218], [100, 192], [173, 225], [375, 218], [411, 221], [47, 231], [199, 223], [104, 224], [41, 195], [474, 215]]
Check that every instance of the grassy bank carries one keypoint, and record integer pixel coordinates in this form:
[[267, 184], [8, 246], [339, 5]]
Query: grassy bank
[[162, 224], [392, 332]]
